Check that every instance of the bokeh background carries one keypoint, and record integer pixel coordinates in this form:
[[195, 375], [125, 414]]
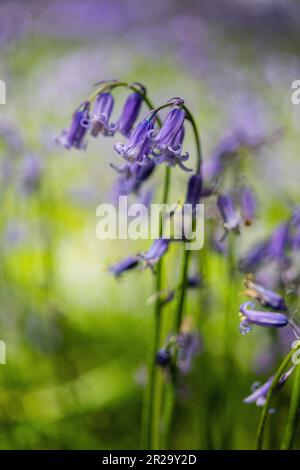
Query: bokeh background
[[77, 340]]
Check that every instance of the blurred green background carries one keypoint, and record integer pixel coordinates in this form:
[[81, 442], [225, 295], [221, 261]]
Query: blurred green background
[[77, 340]]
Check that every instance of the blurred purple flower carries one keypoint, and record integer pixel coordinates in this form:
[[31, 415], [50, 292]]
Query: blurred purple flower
[[14, 233], [295, 239], [278, 242], [163, 358], [228, 213], [260, 394], [248, 205], [194, 281], [296, 216], [124, 265], [156, 251], [131, 178], [226, 148], [31, 173], [189, 346], [267, 298], [254, 257], [146, 197]]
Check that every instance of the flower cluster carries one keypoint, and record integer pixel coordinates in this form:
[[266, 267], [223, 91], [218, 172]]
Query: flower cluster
[[276, 316], [145, 141], [273, 260]]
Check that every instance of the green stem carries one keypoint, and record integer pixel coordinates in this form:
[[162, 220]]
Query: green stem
[[270, 396], [170, 400], [190, 117], [293, 417], [182, 294], [226, 370], [149, 430], [171, 390], [151, 427]]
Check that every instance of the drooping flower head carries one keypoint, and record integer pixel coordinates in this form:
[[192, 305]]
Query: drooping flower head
[[254, 257], [130, 113], [163, 358], [138, 146], [124, 265], [165, 136], [132, 176], [248, 205], [267, 298], [260, 318], [173, 154], [101, 115], [188, 347], [74, 136], [194, 281], [259, 395], [278, 242], [226, 148], [179, 351], [194, 190], [156, 251], [229, 214]]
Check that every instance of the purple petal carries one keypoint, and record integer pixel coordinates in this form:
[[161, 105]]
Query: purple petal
[[261, 318]]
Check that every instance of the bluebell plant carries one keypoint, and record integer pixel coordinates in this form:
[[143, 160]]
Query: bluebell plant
[[150, 143]]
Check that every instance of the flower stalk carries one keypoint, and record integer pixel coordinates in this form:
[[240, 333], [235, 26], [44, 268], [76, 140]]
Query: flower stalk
[[270, 396], [293, 416]]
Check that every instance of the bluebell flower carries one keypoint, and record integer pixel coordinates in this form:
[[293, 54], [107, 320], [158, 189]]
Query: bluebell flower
[[31, 173], [173, 154], [101, 115], [260, 318], [267, 298], [229, 214], [172, 125], [124, 265], [138, 146], [188, 347], [194, 190], [278, 242], [132, 176], [74, 136], [130, 113], [141, 173], [156, 251], [163, 358], [296, 216], [164, 296], [254, 257], [194, 281], [145, 197], [248, 205], [295, 239], [179, 350], [259, 395], [226, 148]]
